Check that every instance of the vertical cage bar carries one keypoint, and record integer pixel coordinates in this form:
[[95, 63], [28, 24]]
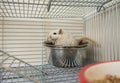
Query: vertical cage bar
[[91, 22], [102, 34], [108, 27], [41, 8], [23, 8], [19, 8], [95, 32], [14, 8], [84, 26], [10, 8], [36, 8], [2, 41], [89, 27], [43, 31], [113, 33], [32, 8], [105, 42], [28, 8], [98, 36], [117, 33], [118, 20], [94, 46]]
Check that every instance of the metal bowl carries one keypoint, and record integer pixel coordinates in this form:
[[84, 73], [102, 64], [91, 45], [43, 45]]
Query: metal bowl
[[66, 56]]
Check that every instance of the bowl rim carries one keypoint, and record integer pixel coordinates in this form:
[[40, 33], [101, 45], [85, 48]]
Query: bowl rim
[[81, 73], [59, 46]]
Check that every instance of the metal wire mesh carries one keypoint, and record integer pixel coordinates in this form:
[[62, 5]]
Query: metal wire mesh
[[20, 73], [20, 68], [16, 29], [103, 27], [48, 8], [56, 75]]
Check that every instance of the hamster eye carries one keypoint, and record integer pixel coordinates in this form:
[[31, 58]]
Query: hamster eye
[[54, 33]]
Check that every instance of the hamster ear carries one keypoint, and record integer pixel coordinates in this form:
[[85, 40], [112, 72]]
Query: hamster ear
[[60, 31]]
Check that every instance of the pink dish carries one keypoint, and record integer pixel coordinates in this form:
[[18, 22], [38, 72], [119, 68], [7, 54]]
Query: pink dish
[[99, 71]]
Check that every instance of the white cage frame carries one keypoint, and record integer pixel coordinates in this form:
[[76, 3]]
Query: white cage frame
[[94, 13]]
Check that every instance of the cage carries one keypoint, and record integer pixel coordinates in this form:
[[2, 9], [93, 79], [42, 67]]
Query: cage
[[24, 25]]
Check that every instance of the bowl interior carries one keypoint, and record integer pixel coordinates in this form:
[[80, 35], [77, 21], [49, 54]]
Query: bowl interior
[[100, 70]]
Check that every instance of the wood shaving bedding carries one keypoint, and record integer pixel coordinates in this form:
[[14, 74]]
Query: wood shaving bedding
[[108, 79]]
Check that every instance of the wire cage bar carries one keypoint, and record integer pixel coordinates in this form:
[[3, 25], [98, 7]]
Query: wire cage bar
[[47, 8], [20, 68], [15, 70], [106, 33], [22, 38]]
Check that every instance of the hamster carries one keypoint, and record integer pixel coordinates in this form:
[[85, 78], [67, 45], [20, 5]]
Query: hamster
[[60, 37], [63, 38]]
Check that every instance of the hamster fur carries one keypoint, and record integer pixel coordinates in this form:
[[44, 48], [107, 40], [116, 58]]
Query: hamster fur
[[63, 38], [60, 37]]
